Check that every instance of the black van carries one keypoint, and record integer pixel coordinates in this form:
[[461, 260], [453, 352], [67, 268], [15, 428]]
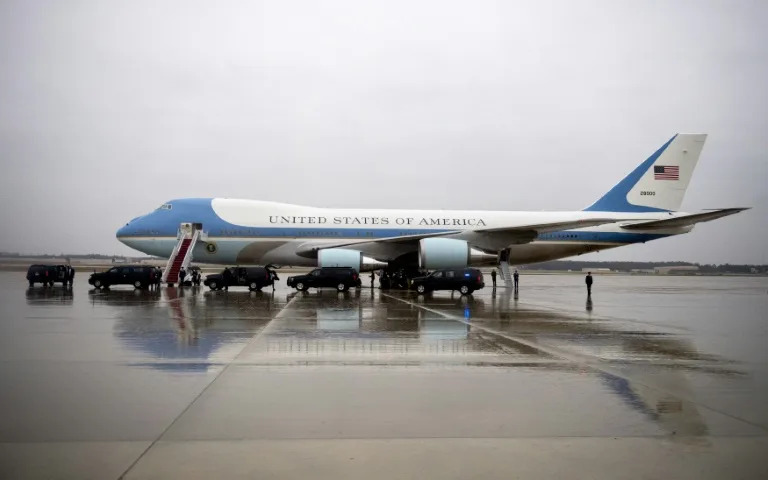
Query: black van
[[340, 278], [465, 280], [140, 276], [45, 274], [255, 278]]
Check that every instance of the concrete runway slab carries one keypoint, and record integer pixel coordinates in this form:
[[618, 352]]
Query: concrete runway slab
[[656, 377]]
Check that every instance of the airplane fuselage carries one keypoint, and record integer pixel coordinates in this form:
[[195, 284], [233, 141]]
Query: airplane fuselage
[[258, 232]]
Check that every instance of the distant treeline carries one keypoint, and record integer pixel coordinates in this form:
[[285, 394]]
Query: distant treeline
[[629, 266], [97, 256]]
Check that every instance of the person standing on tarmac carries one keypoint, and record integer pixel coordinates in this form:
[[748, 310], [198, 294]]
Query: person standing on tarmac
[[182, 274], [227, 278], [70, 275], [588, 281], [373, 276], [516, 278], [493, 277]]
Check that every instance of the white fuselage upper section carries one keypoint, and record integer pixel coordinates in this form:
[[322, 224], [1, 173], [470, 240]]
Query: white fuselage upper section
[[260, 214]]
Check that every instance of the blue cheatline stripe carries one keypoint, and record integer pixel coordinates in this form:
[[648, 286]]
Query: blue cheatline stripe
[[608, 237], [317, 232], [616, 198]]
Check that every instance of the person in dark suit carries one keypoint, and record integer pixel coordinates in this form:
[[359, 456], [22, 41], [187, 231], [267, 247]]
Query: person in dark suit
[[182, 274], [493, 277], [588, 281], [228, 278], [516, 278], [70, 275]]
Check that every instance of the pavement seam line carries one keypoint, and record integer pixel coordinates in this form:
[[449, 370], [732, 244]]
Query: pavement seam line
[[579, 360], [186, 409]]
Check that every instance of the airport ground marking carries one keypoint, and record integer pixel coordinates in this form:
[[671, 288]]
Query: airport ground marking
[[577, 359], [205, 389]]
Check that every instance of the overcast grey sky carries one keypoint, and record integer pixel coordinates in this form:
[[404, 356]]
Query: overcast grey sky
[[107, 109]]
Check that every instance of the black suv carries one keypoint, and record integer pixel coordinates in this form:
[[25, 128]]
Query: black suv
[[465, 280], [340, 278], [140, 276], [46, 274], [255, 278]]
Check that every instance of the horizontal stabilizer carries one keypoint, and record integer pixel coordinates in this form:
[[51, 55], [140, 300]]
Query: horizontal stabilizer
[[684, 221]]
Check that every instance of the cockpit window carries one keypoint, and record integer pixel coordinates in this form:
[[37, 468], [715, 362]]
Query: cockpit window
[[165, 206]]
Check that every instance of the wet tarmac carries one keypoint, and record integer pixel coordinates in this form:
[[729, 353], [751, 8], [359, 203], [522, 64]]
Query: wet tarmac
[[655, 377]]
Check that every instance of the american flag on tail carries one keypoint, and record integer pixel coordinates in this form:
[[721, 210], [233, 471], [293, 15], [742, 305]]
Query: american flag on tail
[[666, 172]]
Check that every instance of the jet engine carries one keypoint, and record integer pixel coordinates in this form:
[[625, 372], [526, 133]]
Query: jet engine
[[342, 257], [451, 253]]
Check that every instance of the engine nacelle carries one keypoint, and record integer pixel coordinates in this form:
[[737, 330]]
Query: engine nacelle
[[451, 253], [342, 257]]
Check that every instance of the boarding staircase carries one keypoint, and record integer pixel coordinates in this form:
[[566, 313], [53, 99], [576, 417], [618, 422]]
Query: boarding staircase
[[505, 273], [181, 257]]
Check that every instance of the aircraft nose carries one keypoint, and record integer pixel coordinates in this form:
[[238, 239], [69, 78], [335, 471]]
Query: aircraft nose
[[127, 229], [123, 231]]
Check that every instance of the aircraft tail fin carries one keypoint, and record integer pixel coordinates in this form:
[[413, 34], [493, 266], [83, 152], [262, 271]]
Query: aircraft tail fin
[[659, 183]]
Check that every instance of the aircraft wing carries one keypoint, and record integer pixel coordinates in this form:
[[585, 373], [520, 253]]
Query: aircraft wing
[[487, 238], [551, 226], [684, 221]]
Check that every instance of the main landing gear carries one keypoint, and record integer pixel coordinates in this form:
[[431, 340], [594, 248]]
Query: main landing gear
[[399, 278]]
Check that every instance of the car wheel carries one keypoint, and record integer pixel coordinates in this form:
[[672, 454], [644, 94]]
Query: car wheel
[[464, 290], [253, 286], [213, 285], [137, 284], [341, 287], [97, 283], [420, 288], [300, 287]]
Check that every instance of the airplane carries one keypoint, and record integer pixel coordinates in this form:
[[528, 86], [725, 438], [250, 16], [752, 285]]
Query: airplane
[[640, 208]]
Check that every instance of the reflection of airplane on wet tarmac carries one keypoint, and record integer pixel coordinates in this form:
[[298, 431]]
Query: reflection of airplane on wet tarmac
[[362, 329], [640, 208], [177, 331]]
